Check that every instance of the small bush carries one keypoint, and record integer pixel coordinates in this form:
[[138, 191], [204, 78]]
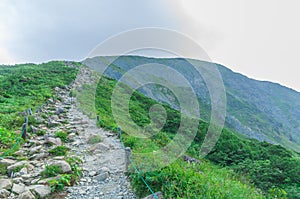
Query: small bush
[[51, 171], [3, 169], [62, 135], [76, 170], [95, 139], [58, 151], [73, 93], [41, 133], [59, 184]]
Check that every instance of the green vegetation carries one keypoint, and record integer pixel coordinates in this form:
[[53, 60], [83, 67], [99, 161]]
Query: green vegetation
[[183, 180], [7, 138], [231, 153], [51, 171], [95, 139], [58, 184], [41, 133], [27, 86], [18, 168], [236, 167], [3, 169], [58, 151], [74, 162], [262, 110], [62, 135]]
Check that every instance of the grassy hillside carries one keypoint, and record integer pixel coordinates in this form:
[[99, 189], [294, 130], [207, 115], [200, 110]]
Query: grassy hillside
[[262, 110], [271, 168], [236, 168], [27, 86]]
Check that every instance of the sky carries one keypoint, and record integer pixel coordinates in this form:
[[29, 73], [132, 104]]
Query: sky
[[259, 39]]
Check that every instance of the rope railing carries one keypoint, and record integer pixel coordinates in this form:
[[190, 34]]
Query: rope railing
[[24, 127], [24, 134], [134, 166]]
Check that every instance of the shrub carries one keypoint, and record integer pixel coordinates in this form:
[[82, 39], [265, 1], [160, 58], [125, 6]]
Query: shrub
[[41, 133], [60, 183], [58, 151], [67, 179], [51, 171], [62, 135], [94, 139], [3, 169], [76, 170]]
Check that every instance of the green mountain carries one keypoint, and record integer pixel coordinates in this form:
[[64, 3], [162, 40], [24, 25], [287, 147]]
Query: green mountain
[[257, 109], [271, 168], [237, 167]]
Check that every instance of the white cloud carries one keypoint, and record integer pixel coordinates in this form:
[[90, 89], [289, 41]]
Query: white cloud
[[256, 38]]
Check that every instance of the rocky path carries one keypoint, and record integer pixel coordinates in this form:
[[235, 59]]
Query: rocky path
[[101, 152], [103, 163]]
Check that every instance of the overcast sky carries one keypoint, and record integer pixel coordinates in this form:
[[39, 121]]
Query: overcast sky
[[258, 38]]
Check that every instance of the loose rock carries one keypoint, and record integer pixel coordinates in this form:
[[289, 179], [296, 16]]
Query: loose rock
[[5, 184], [26, 195]]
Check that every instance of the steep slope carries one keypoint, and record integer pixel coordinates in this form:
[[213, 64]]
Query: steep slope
[[270, 167], [262, 110]]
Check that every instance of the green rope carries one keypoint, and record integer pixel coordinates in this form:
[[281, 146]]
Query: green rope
[[13, 147], [137, 171]]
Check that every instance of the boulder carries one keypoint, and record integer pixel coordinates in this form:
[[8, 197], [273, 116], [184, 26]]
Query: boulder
[[11, 168], [5, 184], [190, 159], [65, 167], [39, 156], [4, 193], [26, 195], [35, 150], [158, 194], [53, 141], [42, 191], [59, 111], [50, 101], [101, 177], [92, 173], [7, 162], [53, 124], [34, 129], [18, 188], [100, 147]]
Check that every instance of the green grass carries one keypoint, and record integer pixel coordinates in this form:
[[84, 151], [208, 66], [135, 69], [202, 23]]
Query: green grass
[[62, 135], [95, 139], [51, 171], [231, 170], [180, 180], [27, 86], [58, 184], [59, 151], [3, 169]]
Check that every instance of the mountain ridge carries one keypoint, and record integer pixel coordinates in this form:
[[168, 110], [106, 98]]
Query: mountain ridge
[[263, 110]]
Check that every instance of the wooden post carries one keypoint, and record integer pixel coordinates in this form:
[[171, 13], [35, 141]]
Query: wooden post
[[119, 132], [127, 157], [24, 131], [26, 120]]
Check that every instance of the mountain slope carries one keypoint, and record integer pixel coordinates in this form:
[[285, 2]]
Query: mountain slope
[[262, 110], [271, 168]]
